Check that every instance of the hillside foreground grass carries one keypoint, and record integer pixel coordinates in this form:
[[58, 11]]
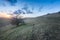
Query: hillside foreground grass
[[46, 27]]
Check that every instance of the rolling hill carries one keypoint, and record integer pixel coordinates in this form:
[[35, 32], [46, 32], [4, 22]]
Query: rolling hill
[[46, 27]]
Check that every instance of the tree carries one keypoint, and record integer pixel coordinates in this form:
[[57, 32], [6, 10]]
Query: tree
[[17, 21]]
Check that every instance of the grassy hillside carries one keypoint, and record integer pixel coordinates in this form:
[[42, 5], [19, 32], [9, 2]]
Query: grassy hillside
[[4, 21], [45, 27]]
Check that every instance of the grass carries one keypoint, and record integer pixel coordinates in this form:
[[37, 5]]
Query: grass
[[13, 33], [45, 28]]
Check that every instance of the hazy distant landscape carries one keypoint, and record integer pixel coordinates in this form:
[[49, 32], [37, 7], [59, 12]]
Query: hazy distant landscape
[[46, 27]]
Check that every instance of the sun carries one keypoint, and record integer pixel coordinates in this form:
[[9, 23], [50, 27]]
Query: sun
[[5, 15]]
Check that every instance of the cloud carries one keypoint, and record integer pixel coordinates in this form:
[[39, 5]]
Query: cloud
[[12, 2], [27, 9], [19, 12], [22, 12], [29, 12], [40, 8]]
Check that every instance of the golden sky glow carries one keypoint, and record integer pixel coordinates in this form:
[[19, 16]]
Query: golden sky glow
[[5, 15]]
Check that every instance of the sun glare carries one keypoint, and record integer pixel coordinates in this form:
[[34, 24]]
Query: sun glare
[[5, 15]]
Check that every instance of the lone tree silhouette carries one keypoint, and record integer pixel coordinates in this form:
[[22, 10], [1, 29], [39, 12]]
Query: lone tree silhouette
[[17, 21]]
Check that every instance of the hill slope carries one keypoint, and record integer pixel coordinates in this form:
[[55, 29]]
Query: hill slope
[[45, 27]]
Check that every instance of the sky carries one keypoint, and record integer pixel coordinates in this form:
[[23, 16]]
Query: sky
[[29, 8]]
